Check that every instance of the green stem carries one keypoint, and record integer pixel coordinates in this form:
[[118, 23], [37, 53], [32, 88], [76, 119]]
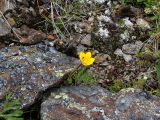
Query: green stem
[[73, 72]]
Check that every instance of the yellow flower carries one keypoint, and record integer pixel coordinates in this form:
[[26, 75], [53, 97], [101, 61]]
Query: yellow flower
[[86, 58]]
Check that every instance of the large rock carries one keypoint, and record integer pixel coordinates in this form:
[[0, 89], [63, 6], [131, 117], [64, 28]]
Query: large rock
[[27, 71], [96, 103]]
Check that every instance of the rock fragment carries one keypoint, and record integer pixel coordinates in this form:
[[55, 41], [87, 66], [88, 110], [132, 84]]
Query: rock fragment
[[131, 48], [86, 40]]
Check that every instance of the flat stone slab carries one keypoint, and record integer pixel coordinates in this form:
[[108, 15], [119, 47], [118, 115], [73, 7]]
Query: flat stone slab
[[27, 71], [96, 103]]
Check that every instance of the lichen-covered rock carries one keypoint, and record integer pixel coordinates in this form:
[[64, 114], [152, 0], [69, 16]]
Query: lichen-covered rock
[[136, 104], [96, 103], [26, 71]]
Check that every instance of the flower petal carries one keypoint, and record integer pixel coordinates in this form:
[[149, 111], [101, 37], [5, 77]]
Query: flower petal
[[88, 55], [85, 63], [81, 56], [90, 61]]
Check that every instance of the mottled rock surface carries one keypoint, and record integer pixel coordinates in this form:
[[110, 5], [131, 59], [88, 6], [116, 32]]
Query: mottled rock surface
[[26, 71], [96, 103]]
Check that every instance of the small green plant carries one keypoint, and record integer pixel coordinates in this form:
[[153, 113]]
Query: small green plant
[[11, 109], [139, 83], [116, 86], [145, 3], [157, 92], [81, 75]]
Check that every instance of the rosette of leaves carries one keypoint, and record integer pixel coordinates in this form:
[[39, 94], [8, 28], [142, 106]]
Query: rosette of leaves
[[82, 76]]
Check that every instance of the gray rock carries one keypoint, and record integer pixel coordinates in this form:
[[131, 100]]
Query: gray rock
[[100, 58], [88, 103], [87, 40], [80, 48], [118, 52], [27, 71], [132, 48], [143, 24], [127, 58]]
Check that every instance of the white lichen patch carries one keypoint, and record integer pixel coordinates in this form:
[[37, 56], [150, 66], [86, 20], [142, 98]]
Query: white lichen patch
[[81, 108], [59, 73], [100, 110], [107, 12], [109, 3], [126, 90], [104, 18], [103, 32], [93, 1], [62, 96], [125, 36], [128, 23], [100, 1]]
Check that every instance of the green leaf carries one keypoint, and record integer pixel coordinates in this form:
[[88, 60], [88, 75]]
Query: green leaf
[[11, 109], [9, 106], [13, 118], [83, 76]]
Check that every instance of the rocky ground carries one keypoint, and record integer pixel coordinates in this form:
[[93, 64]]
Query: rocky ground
[[39, 45]]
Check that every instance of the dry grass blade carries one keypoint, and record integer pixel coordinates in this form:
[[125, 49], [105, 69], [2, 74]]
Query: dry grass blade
[[54, 25], [60, 17], [19, 37]]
